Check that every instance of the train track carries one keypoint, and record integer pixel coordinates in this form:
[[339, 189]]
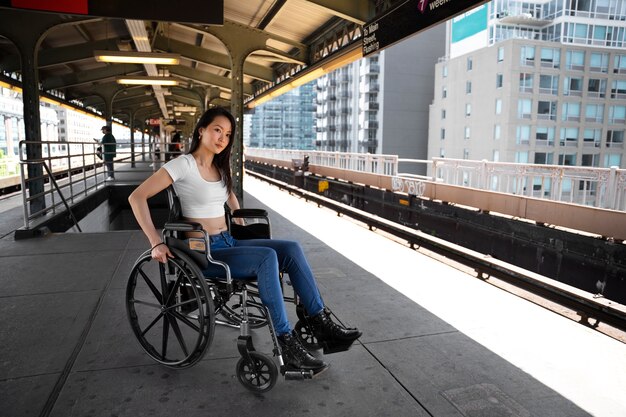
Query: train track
[[588, 309]]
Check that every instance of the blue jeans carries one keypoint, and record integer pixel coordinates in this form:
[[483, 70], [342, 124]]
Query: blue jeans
[[262, 259]]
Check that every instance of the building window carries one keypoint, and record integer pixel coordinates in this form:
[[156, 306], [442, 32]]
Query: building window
[[470, 63], [498, 106], [501, 54], [467, 133], [527, 56], [550, 57], [596, 88], [468, 109], [468, 87], [496, 132], [571, 112], [496, 155], [443, 134], [465, 153], [444, 92], [599, 62], [618, 89], [615, 139], [544, 136], [549, 84], [617, 114], [569, 136], [594, 113], [567, 159], [443, 114], [524, 108], [576, 33], [612, 160], [546, 110], [546, 158], [444, 71], [575, 60], [590, 160], [573, 86], [523, 135], [442, 153], [521, 157], [525, 83], [499, 81], [592, 138], [619, 64]]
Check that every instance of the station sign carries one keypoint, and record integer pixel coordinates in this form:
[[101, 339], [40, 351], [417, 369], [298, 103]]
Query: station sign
[[209, 12], [409, 18], [154, 122]]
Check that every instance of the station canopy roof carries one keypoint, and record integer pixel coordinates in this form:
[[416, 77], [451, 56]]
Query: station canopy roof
[[281, 41]]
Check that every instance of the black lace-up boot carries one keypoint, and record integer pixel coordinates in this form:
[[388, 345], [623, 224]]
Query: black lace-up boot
[[297, 357], [330, 335]]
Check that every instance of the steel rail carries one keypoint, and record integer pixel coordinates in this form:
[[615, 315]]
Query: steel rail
[[582, 302]]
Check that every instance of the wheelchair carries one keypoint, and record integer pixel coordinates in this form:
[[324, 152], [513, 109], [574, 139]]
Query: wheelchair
[[173, 308]]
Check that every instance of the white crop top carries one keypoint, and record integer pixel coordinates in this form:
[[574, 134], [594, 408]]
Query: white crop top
[[199, 198]]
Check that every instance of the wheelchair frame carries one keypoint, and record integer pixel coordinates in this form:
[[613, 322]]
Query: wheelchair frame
[[188, 303]]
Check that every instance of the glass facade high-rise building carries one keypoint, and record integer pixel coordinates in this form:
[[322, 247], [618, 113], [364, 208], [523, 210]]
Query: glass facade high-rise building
[[533, 82], [376, 105], [286, 122]]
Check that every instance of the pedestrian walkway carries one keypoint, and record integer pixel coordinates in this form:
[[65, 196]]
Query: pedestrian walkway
[[437, 341]]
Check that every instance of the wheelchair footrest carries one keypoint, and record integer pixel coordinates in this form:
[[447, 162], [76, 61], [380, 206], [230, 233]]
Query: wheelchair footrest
[[299, 374]]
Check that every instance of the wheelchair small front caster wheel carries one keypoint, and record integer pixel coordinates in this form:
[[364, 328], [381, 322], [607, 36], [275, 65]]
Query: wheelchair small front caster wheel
[[259, 375], [306, 335]]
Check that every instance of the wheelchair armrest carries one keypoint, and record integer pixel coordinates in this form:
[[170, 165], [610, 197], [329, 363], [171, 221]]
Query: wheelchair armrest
[[249, 213], [182, 226]]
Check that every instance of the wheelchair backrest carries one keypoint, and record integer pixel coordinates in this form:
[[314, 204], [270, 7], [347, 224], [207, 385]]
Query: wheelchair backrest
[[176, 212]]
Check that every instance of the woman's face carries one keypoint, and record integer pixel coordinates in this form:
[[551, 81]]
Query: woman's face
[[216, 136]]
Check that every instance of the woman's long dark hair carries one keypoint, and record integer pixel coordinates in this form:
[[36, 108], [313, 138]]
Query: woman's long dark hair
[[221, 160]]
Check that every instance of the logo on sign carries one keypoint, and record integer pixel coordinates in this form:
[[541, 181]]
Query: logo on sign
[[421, 5]]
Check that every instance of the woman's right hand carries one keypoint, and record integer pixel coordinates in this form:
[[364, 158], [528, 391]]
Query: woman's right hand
[[161, 253]]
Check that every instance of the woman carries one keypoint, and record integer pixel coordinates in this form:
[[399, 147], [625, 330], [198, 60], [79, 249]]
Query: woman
[[202, 179]]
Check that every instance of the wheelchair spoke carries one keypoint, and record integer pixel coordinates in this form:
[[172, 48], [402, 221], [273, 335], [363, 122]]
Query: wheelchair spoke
[[175, 287], [152, 287], [177, 332], [145, 303], [185, 320], [164, 286], [166, 333], [147, 329]]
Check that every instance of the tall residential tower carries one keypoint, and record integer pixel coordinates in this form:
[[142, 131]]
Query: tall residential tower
[[533, 82]]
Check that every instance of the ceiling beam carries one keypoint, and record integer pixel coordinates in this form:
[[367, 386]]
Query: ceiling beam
[[211, 58], [93, 76], [206, 78], [245, 32], [357, 11]]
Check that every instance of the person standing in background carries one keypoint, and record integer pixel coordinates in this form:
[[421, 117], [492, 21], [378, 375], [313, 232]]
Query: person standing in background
[[109, 150]]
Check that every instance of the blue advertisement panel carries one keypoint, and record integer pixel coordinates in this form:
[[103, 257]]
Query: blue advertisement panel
[[469, 23]]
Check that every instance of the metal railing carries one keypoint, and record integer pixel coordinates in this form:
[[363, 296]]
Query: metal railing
[[369, 163], [589, 186], [73, 170]]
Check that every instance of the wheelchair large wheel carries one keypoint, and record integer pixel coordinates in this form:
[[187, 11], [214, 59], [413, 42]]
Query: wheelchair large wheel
[[260, 375], [170, 310]]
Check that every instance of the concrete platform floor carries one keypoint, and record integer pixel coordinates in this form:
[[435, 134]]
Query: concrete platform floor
[[437, 341]]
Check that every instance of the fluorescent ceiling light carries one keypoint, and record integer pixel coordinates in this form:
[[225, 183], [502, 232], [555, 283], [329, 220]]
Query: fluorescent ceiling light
[[186, 109], [132, 57], [136, 80]]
